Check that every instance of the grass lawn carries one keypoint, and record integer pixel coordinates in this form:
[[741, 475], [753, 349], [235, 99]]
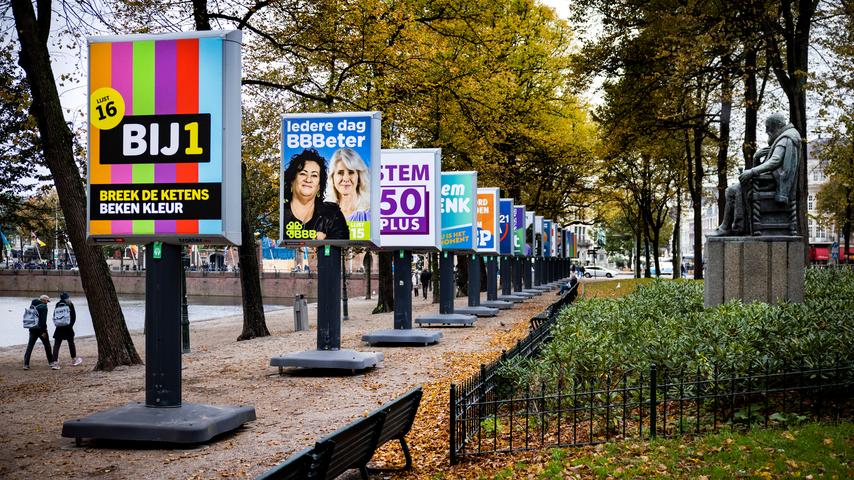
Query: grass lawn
[[611, 288], [811, 451]]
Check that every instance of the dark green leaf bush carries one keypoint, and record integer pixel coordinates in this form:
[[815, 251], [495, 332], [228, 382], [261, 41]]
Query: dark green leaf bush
[[664, 322]]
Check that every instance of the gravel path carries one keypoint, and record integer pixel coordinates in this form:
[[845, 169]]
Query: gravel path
[[293, 410]]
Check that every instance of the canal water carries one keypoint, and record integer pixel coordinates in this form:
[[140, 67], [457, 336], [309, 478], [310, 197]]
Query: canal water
[[12, 308]]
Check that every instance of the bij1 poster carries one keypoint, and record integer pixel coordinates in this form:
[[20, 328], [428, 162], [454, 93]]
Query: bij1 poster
[[164, 138], [329, 178]]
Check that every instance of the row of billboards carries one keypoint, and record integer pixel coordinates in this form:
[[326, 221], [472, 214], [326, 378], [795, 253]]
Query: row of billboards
[[164, 164]]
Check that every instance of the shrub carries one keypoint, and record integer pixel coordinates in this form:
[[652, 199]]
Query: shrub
[[664, 322]]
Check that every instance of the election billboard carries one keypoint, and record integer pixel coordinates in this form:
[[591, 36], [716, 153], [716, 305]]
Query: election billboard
[[519, 230], [409, 186], [487, 220], [548, 241], [164, 138], [505, 226], [329, 178], [538, 236], [529, 233], [459, 213], [555, 238]]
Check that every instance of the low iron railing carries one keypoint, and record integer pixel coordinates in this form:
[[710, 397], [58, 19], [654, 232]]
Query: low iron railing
[[640, 403]]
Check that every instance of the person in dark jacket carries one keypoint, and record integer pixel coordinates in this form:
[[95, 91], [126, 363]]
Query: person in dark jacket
[[39, 332], [426, 277], [66, 332]]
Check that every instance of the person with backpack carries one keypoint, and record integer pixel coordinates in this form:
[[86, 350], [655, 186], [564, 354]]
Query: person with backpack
[[64, 317], [38, 330]]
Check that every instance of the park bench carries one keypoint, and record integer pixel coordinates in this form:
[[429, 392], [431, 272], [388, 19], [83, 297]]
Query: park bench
[[539, 319], [353, 445]]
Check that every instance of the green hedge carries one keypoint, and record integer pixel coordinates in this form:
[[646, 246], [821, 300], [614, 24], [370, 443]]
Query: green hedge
[[664, 322]]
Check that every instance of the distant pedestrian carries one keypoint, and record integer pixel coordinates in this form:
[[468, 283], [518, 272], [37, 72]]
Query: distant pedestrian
[[64, 317], [426, 277], [415, 282], [39, 332]]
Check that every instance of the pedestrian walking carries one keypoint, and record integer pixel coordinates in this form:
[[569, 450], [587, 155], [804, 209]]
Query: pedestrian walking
[[39, 332], [415, 282], [64, 317], [426, 277]]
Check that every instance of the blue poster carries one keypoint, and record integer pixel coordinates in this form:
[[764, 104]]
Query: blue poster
[[505, 229], [547, 238], [459, 210]]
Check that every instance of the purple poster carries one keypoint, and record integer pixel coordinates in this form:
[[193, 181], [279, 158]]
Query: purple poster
[[409, 198]]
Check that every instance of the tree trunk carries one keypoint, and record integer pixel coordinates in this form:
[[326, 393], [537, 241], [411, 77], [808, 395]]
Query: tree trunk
[[723, 143], [677, 236], [385, 295], [462, 276], [638, 252], [115, 346], [434, 278], [751, 106], [368, 264], [254, 323]]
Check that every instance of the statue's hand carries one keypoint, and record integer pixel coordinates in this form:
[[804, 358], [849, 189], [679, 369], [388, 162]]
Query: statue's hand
[[746, 176]]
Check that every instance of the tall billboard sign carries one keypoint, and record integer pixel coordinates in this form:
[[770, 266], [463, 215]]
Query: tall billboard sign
[[164, 138], [548, 240], [488, 220], [410, 181], [538, 235], [519, 230], [459, 210], [329, 179], [505, 226], [529, 233]]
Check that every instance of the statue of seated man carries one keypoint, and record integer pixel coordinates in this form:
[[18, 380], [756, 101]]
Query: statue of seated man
[[776, 171]]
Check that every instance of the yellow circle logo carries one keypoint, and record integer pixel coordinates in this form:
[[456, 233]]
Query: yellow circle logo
[[106, 108]]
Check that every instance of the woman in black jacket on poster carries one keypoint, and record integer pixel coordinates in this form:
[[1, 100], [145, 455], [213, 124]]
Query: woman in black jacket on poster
[[65, 332]]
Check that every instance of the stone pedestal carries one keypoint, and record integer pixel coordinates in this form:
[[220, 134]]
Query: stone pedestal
[[764, 269]]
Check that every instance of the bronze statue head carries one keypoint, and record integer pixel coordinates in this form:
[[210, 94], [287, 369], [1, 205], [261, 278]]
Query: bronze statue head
[[774, 125]]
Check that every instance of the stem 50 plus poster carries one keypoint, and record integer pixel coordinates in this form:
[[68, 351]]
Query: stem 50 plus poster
[[409, 198]]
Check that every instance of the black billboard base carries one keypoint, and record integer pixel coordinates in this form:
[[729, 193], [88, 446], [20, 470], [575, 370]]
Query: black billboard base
[[327, 360], [513, 298], [492, 300], [163, 417], [447, 316], [188, 423], [328, 355], [402, 333], [474, 306], [409, 336], [446, 320]]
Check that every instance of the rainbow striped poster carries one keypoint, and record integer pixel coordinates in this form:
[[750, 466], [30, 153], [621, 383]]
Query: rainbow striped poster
[[164, 138]]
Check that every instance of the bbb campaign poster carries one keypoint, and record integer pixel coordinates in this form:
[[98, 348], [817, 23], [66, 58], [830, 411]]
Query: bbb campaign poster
[[519, 230], [409, 198], [487, 220], [329, 178], [164, 138], [459, 210], [505, 226]]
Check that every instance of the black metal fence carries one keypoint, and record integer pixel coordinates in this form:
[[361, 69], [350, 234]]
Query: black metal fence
[[488, 416]]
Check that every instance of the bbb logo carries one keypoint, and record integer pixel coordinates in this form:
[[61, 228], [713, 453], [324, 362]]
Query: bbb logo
[[295, 230]]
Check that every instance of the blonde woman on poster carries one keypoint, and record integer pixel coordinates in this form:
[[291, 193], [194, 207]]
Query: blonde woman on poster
[[349, 185]]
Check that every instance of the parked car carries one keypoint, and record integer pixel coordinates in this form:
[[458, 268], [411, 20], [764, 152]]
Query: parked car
[[594, 271]]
